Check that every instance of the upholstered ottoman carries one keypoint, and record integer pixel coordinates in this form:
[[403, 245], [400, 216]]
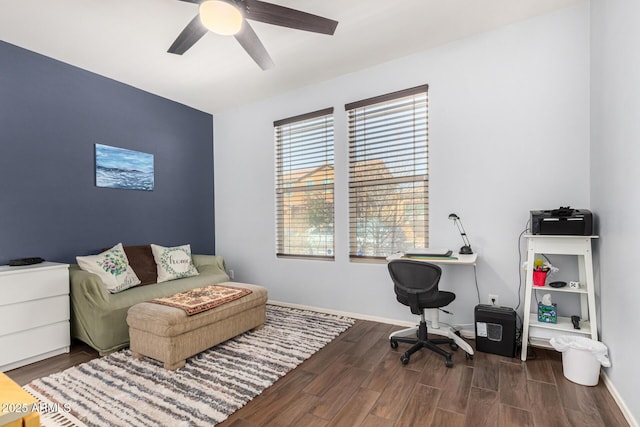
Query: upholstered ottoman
[[170, 335]]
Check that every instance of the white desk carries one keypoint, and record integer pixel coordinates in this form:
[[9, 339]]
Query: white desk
[[454, 259]]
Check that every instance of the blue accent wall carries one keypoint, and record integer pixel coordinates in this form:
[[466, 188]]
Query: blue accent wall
[[51, 116]]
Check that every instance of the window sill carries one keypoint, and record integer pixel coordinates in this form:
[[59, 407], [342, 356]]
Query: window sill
[[367, 260], [307, 257]]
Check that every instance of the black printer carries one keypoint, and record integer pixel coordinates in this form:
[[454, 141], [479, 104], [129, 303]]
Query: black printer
[[563, 221]]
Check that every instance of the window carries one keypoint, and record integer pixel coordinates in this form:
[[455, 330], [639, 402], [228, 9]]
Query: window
[[304, 185], [388, 174]]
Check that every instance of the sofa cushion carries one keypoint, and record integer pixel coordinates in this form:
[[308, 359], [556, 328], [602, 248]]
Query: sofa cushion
[[142, 262], [173, 263], [112, 266]]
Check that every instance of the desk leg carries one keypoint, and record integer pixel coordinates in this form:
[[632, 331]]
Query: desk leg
[[434, 314], [456, 338]]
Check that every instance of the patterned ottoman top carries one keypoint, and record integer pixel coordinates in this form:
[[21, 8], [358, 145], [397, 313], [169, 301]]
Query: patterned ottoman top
[[198, 300]]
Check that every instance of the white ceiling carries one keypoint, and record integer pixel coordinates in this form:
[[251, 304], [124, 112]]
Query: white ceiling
[[127, 40]]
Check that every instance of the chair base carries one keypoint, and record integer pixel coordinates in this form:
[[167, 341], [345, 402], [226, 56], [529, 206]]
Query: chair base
[[418, 337]]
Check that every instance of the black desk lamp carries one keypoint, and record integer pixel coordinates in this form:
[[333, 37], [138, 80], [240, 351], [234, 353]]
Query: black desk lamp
[[466, 249]]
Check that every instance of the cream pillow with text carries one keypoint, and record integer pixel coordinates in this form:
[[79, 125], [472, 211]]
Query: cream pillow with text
[[173, 263]]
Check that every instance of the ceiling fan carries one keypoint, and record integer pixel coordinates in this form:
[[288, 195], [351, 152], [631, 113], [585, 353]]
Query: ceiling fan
[[229, 17]]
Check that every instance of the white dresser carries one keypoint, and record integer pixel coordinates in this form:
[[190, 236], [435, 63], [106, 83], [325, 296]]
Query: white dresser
[[34, 313]]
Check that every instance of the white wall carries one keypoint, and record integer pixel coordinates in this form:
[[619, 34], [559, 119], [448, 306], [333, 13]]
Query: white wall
[[615, 132], [509, 132]]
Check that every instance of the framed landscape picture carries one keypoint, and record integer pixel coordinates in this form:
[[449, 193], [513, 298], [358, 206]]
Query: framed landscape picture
[[121, 168]]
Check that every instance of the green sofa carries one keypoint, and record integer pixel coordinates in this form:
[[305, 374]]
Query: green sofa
[[99, 318]]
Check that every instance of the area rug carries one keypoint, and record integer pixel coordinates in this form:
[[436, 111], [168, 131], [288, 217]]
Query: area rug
[[118, 390], [198, 300]]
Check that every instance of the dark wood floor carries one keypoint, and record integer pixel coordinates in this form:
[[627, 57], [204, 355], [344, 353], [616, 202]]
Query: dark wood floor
[[358, 380]]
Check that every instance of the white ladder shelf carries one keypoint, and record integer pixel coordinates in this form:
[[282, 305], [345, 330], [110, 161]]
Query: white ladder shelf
[[561, 245]]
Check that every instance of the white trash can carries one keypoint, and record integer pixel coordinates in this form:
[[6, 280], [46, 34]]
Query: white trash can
[[581, 358]]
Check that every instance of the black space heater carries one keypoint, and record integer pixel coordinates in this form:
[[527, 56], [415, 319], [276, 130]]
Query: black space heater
[[495, 330]]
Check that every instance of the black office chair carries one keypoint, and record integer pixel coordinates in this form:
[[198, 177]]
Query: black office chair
[[416, 285]]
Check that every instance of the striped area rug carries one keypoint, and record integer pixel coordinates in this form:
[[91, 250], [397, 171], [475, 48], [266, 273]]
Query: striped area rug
[[118, 390]]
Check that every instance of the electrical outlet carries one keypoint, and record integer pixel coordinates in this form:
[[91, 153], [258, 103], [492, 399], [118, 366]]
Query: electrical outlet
[[494, 299], [231, 274]]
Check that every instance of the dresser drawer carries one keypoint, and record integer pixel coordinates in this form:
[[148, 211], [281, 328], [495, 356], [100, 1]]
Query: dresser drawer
[[41, 281], [26, 344], [32, 314]]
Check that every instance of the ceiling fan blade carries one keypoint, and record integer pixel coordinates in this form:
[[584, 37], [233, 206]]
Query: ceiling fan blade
[[254, 47], [269, 13], [187, 38]]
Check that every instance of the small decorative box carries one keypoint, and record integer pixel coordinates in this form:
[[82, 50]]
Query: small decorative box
[[547, 313]]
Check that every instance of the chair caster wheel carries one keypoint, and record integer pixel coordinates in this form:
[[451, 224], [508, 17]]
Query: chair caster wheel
[[404, 359], [448, 363], [468, 356], [393, 343], [453, 346]]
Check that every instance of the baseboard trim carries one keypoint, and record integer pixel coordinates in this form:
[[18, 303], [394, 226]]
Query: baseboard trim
[[466, 333], [344, 313], [618, 399]]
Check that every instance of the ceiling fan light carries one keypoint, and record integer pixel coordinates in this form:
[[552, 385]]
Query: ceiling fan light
[[221, 17]]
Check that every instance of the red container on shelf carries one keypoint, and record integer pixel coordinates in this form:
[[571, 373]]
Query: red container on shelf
[[539, 277]]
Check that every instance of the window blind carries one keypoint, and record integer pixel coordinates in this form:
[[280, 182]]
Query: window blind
[[388, 173], [304, 185]]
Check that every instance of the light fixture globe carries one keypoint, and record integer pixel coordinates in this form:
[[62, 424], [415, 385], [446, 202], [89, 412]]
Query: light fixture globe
[[221, 17]]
